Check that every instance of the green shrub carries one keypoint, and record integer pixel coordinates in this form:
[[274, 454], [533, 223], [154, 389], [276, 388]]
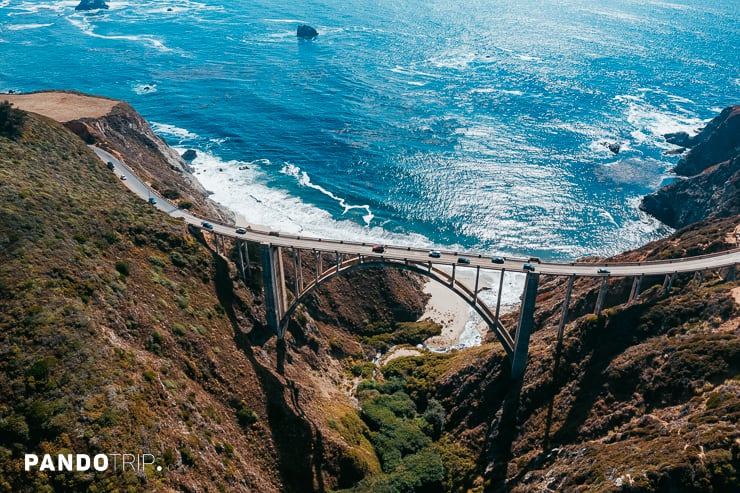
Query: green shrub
[[12, 120], [123, 267]]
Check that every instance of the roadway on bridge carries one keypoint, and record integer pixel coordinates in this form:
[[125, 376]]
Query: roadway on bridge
[[411, 254]]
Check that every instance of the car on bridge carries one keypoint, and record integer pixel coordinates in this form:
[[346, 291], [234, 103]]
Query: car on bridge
[[497, 260], [378, 248], [240, 231], [603, 271], [434, 254], [463, 260], [534, 260], [206, 225], [528, 267]]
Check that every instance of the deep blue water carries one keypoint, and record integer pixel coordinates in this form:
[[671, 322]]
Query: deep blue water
[[473, 124]]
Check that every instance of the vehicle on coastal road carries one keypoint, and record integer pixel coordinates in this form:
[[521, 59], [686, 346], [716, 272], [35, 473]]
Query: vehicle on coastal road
[[463, 260], [240, 231], [603, 271], [152, 200], [497, 260], [378, 248], [434, 254], [123, 177], [528, 267], [534, 260], [206, 225]]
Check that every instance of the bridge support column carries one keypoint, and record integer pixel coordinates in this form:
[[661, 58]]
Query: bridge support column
[[526, 322], [297, 273], [731, 274], [452, 281], [669, 282], [635, 292], [241, 260], [602, 296], [477, 277], [498, 295], [274, 284], [564, 316]]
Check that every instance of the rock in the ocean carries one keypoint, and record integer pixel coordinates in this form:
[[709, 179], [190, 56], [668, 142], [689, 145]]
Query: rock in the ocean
[[91, 5], [306, 32], [189, 155], [614, 147], [680, 139]]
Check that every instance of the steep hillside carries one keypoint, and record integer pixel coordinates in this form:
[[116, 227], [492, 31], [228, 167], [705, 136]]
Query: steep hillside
[[711, 167], [123, 332]]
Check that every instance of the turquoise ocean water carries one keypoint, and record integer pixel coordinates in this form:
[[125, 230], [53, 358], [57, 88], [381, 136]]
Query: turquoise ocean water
[[469, 124]]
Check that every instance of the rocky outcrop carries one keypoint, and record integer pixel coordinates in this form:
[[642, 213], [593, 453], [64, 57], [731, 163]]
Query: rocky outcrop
[[305, 31], [712, 194], [189, 155], [718, 142], [91, 5], [712, 166]]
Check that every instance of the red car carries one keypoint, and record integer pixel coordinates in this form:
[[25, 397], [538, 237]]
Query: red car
[[378, 248]]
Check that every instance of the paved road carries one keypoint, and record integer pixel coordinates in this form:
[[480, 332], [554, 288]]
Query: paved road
[[692, 264]]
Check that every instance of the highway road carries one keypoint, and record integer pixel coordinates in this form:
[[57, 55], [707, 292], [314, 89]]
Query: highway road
[[399, 252]]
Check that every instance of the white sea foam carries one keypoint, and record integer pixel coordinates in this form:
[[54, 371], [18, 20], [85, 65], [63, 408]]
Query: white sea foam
[[23, 27], [144, 88], [305, 181], [83, 24], [243, 187], [651, 122], [173, 131]]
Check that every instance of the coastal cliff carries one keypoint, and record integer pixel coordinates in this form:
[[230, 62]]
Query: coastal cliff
[[711, 188], [121, 330]]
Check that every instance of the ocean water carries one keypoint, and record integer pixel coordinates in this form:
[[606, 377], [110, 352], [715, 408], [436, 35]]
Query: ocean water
[[472, 124]]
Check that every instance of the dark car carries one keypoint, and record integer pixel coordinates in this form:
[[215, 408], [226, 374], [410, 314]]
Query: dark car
[[528, 267], [463, 260], [434, 254], [497, 260], [273, 233], [603, 271], [110, 165], [240, 231], [152, 200], [378, 248], [207, 225], [534, 260]]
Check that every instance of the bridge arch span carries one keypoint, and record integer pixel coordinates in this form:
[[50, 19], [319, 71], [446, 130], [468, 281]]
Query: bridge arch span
[[427, 270]]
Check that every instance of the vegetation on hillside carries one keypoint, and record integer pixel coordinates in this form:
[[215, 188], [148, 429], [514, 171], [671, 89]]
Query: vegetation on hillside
[[112, 337], [11, 120]]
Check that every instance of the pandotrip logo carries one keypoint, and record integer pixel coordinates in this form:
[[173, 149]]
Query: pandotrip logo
[[139, 463]]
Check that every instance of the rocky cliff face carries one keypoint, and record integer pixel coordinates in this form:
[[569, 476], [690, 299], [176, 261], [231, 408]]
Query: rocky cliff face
[[712, 168], [644, 398], [121, 331]]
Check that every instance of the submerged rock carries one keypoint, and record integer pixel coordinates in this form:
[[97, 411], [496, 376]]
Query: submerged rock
[[189, 155], [305, 31], [91, 5]]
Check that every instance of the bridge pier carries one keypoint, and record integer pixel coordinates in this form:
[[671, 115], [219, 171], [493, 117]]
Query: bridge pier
[[241, 260], [635, 288], [526, 322], [276, 302], [731, 273], [602, 296], [564, 316], [498, 296]]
